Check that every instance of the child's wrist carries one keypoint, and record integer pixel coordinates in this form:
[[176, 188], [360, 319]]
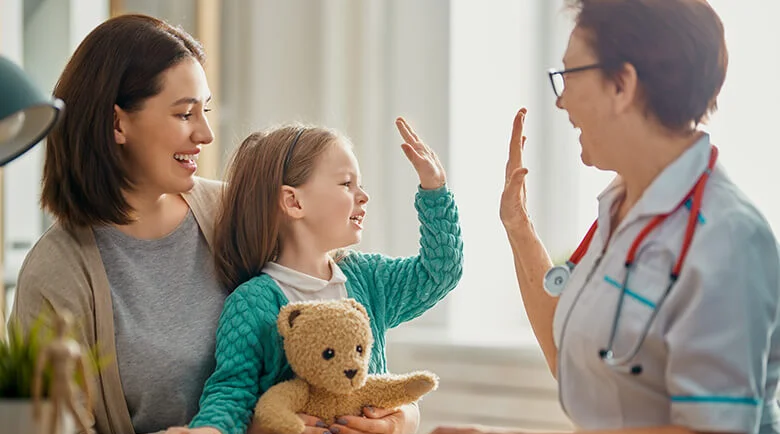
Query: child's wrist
[[433, 185], [431, 191]]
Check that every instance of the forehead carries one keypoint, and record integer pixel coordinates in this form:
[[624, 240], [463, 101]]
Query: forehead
[[579, 50], [185, 79], [339, 157]]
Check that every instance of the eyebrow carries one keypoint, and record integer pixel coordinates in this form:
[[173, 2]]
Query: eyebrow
[[349, 172], [189, 100]]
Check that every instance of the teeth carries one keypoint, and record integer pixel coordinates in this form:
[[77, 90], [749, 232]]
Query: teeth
[[186, 157]]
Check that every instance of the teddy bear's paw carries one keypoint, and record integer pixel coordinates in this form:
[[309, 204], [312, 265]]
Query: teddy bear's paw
[[421, 383], [277, 424]]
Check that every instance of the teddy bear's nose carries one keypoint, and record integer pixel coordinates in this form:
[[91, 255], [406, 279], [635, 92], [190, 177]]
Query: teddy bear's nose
[[350, 373]]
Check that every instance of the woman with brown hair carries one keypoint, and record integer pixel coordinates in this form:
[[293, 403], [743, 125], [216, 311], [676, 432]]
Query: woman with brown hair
[[664, 320], [129, 254]]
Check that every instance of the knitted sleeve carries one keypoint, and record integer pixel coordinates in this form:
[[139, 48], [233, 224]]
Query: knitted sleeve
[[401, 289], [231, 393]]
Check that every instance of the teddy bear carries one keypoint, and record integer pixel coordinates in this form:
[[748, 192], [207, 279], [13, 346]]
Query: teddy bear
[[328, 345]]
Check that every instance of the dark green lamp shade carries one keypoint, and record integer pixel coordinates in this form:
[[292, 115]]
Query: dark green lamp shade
[[26, 116]]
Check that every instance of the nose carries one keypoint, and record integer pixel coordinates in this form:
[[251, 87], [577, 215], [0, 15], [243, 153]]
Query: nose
[[363, 197], [559, 102], [202, 133], [350, 373]]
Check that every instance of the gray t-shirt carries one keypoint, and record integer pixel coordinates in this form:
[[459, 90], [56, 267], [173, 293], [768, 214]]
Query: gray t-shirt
[[167, 301]]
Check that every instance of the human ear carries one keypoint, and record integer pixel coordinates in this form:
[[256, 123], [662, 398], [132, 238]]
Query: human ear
[[290, 202], [120, 119]]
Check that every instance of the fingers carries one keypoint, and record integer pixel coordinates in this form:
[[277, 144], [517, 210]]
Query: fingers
[[311, 421], [516, 143], [410, 137], [313, 425], [376, 413], [411, 154], [315, 430], [514, 183], [406, 131], [354, 425]]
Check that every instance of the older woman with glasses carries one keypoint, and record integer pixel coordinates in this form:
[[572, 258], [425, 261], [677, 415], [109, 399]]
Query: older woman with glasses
[[665, 318]]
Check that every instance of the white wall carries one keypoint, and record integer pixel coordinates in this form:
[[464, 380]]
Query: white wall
[[17, 193], [493, 74], [744, 128], [45, 39]]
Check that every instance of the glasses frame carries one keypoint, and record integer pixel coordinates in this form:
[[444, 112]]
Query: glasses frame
[[553, 72]]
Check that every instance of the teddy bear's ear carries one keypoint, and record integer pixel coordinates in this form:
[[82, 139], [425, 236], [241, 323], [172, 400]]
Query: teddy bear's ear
[[287, 316], [355, 304]]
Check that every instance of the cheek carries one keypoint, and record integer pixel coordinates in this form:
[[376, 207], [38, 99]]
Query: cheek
[[341, 204]]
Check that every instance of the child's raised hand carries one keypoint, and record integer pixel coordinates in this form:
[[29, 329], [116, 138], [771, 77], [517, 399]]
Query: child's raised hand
[[424, 160]]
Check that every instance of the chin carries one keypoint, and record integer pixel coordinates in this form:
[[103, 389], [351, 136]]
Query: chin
[[586, 160], [585, 156], [181, 185], [354, 240]]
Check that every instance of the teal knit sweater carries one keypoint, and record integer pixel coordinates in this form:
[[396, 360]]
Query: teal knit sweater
[[249, 354]]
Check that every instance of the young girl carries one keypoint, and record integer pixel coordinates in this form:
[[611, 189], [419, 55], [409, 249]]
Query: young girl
[[293, 198]]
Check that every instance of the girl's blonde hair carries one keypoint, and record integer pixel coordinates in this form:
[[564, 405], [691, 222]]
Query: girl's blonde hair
[[248, 222]]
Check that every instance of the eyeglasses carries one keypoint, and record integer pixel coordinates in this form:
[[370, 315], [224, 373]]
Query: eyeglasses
[[557, 80]]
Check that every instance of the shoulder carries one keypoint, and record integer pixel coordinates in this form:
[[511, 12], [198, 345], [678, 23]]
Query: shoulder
[[56, 251], [735, 242], [58, 271], [204, 200], [730, 216], [204, 186], [205, 194], [259, 294], [359, 263], [252, 309]]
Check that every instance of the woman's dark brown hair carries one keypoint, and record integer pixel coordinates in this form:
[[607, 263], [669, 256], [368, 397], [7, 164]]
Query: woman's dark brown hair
[[120, 62], [249, 221], [677, 47]]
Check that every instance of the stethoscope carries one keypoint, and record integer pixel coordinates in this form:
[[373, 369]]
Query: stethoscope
[[557, 277]]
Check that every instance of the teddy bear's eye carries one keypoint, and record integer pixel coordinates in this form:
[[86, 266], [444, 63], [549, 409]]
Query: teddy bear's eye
[[328, 354], [360, 349]]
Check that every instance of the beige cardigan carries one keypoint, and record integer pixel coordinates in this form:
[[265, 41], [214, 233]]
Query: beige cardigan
[[65, 268]]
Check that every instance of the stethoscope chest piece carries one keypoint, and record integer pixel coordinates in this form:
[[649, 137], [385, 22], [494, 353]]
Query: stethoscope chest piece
[[556, 278]]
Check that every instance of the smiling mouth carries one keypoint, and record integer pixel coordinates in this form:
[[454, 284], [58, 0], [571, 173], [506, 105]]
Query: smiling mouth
[[187, 161], [186, 157]]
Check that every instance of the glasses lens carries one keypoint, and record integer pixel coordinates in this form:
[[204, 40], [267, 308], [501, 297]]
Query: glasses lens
[[558, 84]]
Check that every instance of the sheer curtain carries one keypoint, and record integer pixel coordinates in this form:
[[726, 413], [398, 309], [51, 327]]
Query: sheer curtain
[[745, 126]]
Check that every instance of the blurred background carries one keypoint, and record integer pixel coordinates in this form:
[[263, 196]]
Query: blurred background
[[458, 70]]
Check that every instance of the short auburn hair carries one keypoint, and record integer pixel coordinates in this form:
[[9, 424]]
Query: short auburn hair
[[677, 47], [119, 63]]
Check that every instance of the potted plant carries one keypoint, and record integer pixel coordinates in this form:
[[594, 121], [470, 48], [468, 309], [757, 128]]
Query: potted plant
[[21, 359]]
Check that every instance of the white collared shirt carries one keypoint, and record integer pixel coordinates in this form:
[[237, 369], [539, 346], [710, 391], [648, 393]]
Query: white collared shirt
[[711, 358], [298, 286]]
